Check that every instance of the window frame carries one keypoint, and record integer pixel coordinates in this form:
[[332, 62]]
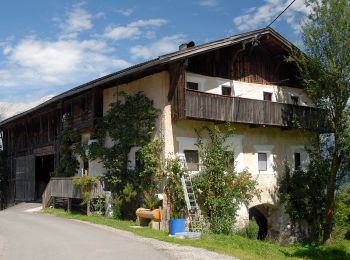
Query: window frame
[[267, 93], [194, 83], [265, 161], [196, 164], [227, 88]]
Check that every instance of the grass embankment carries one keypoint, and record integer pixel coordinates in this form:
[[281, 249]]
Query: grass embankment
[[237, 246]]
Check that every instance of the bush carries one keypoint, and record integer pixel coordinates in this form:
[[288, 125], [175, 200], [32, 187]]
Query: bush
[[342, 214], [250, 231], [85, 183], [222, 188]]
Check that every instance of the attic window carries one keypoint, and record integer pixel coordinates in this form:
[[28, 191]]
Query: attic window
[[267, 96], [192, 85], [295, 100], [226, 91]]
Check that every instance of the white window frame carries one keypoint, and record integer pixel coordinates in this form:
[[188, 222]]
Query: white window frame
[[294, 95], [270, 90], [234, 143], [268, 150], [304, 157], [196, 79]]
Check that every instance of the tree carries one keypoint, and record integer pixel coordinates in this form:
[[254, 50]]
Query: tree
[[221, 188], [69, 140], [325, 73], [130, 122]]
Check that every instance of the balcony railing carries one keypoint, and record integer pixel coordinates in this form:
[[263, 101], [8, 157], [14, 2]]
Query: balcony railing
[[207, 106]]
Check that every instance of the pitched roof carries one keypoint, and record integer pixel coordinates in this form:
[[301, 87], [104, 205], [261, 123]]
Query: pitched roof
[[161, 60]]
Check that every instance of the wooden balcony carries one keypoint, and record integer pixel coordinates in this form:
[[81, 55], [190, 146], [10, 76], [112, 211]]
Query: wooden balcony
[[207, 106]]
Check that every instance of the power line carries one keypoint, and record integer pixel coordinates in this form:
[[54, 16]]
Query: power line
[[285, 9]]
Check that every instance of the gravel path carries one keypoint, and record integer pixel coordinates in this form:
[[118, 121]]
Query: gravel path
[[173, 250]]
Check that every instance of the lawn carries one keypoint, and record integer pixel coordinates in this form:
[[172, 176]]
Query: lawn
[[237, 246]]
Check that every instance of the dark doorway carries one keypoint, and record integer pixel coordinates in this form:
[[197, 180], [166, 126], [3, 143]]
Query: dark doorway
[[260, 220], [44, 167]]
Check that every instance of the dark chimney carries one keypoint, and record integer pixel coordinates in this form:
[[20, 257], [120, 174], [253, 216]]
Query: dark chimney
[[186, 45]]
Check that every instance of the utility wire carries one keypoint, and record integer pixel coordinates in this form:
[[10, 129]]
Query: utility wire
[[278, 16]]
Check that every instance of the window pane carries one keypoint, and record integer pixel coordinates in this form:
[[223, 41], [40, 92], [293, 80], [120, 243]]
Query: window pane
[[295, 100], [226, 91], [192, 160], [297, 161], [192, 85], [262, 161], [268, 96]]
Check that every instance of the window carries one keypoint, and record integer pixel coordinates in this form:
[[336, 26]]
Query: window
[[295, 100], [192, 85], [226, 91], [262, 161], [192, 160], [297, 161], [267, 96]]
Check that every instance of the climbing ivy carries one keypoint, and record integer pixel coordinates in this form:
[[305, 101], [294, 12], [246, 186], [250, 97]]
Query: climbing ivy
[[69, 145], [130, 122], [221, 188]]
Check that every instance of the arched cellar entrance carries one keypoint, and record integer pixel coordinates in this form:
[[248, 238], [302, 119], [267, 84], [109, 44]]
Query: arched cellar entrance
[[261, 220]]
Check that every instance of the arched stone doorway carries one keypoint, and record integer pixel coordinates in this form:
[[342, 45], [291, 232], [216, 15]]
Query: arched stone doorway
[[260, 214]]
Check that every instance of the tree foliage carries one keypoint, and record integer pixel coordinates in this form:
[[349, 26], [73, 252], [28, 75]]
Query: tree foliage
[[130, 122], [342, 213], [222, 189], [69, 140], [325, 73], [173, 188], [303, 193]]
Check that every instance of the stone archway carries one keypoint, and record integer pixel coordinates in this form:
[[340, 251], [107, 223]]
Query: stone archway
[[261, 214]]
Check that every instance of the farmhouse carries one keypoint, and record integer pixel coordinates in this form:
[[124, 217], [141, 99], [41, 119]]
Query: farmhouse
[[243, 79]]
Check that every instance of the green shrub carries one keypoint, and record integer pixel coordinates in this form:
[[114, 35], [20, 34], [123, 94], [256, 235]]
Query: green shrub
[[342, 214], [86, 184], [250, 231]]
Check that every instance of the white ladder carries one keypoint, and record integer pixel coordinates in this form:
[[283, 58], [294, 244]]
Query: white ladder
[[191, 203], [193, 209]]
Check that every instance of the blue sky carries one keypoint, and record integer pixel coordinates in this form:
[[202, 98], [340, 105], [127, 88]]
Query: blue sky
[[47, 47]]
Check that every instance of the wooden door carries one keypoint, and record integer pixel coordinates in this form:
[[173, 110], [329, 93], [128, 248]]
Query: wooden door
[[25, 178]]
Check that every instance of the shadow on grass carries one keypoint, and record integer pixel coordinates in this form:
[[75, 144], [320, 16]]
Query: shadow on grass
[[320, 252]]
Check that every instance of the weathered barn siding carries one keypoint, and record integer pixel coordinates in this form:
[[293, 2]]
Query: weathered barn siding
[[37, 134]]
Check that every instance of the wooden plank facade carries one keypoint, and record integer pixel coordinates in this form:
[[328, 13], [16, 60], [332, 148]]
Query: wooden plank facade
[[37, 135]]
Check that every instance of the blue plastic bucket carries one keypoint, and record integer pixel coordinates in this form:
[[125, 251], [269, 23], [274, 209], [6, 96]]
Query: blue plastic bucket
[[176, 226]]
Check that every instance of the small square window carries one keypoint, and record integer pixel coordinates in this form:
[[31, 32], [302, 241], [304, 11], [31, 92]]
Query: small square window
[[267, 96], [192, 85], [295, 100], [226, 91], [192, 160], [262, 161], [297, 161]]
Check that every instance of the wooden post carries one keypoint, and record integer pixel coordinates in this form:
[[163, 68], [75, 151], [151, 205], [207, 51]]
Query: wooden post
[[69, 205]]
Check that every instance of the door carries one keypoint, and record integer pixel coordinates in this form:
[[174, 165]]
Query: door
[[25, 178]]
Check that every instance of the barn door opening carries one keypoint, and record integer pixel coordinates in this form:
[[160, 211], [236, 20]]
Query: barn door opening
[[44, 167], [25, 178]]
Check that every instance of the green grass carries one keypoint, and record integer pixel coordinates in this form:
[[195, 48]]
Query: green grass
[[230, 245]]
